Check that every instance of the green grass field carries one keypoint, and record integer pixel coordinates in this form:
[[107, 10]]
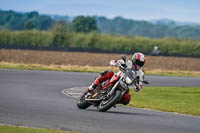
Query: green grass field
[[15, 129], [185, 100]]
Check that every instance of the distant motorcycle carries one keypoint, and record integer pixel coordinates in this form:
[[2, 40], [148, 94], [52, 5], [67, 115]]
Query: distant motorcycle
[[109, 93]]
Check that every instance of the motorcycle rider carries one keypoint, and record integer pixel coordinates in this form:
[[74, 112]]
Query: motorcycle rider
[[138, 61]]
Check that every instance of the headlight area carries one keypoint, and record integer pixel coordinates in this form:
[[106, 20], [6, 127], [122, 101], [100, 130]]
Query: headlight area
[[129, 81]]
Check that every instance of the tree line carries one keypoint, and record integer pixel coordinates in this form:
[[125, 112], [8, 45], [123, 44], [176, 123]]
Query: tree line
[[33, 20], [121, 26], [20, 21]]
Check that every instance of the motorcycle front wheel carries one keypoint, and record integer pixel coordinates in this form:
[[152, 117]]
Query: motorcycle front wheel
[[110, 102], [82, 103]]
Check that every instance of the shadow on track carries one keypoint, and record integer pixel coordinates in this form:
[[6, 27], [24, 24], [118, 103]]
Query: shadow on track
[[126, 113]]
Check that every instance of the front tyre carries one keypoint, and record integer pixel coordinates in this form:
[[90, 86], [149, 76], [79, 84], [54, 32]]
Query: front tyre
[[81, 102], [107, 104]]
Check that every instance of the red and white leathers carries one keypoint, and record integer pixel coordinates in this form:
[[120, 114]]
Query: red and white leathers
[[107, 75]]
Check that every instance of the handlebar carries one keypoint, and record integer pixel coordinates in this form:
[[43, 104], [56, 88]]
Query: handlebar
[[145, 82]]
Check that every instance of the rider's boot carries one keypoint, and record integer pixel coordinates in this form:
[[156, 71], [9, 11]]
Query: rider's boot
[[92, 87], [91, 94]]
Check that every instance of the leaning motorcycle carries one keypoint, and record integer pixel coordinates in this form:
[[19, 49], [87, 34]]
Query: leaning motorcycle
[[108, 94]]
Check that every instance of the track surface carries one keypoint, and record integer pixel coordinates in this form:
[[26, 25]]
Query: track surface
[[33, 98]]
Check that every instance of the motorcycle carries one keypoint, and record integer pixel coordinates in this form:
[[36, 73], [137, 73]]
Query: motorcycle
[[108, 94]]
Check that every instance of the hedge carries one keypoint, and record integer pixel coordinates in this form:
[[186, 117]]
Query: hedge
[[97, 42]]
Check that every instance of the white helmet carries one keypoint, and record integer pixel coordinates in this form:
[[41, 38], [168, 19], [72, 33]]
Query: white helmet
[[138, 59]]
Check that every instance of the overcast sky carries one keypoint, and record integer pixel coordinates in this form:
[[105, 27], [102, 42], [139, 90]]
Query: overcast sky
[[179, 10]]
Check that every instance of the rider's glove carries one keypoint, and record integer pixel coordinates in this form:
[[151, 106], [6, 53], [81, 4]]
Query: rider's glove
[[113, 63]]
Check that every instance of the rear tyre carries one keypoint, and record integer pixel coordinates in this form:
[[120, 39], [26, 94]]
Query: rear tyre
[[107, 104], [81, 102]]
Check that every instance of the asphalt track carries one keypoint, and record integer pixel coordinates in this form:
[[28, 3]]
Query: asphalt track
[[34, 98]]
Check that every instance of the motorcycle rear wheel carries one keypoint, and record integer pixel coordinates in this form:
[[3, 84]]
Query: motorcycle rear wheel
[[107, 104], [81, 102]]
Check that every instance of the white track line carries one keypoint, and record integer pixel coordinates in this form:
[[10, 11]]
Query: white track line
[[72, 92]]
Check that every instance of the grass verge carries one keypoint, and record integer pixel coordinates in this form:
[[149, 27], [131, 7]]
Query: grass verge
[[184, 100], [75, 68], [16, 129]]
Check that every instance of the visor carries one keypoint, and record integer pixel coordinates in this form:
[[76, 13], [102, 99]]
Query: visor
[[139, 63]]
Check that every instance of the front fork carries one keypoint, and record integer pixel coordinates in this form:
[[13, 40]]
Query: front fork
[[121, 86], [113, 89]]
